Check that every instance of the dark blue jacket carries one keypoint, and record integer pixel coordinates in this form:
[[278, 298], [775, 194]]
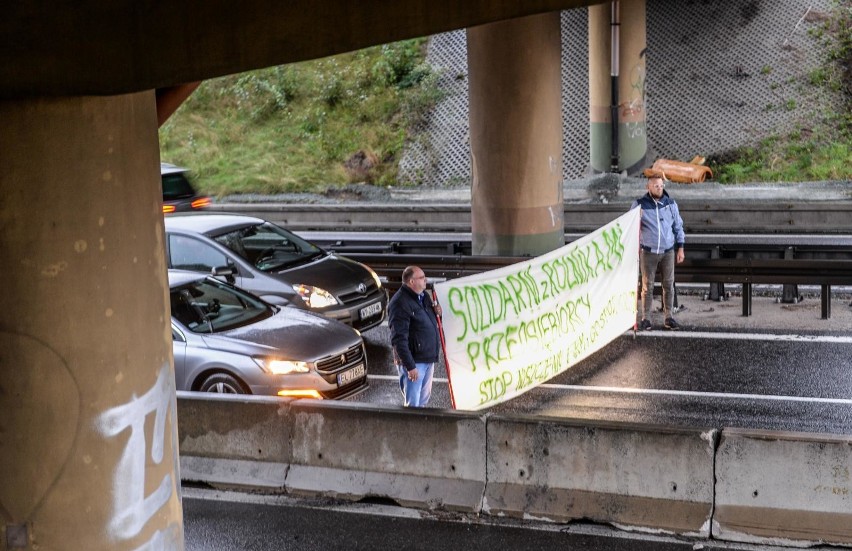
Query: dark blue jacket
[[414, 329], [661, 228]]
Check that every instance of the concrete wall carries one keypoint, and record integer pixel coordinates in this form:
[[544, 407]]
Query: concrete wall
[[783, 487], [734, 484], [627, 475]]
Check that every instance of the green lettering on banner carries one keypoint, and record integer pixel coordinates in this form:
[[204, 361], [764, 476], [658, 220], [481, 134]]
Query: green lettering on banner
[[454, 295], [496, 309], [507, 298], [601, 260], [544, 331], [532, 287], [473, 348], [517, 327], [494, 388], [518, 289], [548, 283]]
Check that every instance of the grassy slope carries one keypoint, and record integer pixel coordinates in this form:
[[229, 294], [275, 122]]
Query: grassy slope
[[293, 128]]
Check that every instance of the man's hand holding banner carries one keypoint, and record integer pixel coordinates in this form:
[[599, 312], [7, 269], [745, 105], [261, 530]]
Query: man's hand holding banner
[[511, 329]]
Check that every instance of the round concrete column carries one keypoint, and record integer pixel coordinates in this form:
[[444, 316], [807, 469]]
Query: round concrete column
[[88, 434], [516, 136], [600, 128], [632, 139]]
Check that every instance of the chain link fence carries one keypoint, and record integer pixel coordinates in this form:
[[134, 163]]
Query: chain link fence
[[720, 75]]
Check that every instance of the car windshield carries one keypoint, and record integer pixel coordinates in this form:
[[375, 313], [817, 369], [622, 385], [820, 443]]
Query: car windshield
[[209, 306], [269, 247]]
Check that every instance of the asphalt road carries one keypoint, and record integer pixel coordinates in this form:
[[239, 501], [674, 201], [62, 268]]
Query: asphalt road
[[781, 369], [224, 521]]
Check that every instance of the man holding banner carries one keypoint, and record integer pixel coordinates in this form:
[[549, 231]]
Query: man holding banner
[[416, 342], [509, 330], [661, 242]]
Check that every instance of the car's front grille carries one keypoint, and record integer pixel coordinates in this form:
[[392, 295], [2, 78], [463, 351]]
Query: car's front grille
[[351, 389], [332, 364], [354, 295]]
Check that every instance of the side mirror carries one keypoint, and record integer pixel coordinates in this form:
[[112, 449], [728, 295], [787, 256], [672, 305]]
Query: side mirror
[[228, 272]]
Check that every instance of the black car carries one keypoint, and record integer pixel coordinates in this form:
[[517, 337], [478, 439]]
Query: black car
[[277, 265], [179, 194]]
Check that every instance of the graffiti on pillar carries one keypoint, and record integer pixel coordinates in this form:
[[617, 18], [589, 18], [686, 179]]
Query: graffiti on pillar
[[633, 110], [132, 509]]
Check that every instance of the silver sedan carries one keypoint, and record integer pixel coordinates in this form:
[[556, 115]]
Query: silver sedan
[[228, 340]]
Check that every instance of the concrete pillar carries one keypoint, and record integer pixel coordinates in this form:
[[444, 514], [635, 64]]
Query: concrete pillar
[[516, 136], [88, 435], [632, 139]]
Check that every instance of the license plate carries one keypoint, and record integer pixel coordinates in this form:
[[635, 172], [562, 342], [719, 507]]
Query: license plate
[[370, 310], [351, 374]]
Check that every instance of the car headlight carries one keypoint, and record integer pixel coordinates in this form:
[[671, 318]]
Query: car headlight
[[281, 367], [314, 297], [375, 277]]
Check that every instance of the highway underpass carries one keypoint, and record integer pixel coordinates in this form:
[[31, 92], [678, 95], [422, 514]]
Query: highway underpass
[[768, 391], [83, 235]]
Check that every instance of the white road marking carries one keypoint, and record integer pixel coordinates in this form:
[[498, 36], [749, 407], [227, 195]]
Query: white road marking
[[653, 391], [396, 378], [698, 335], [742, 336]]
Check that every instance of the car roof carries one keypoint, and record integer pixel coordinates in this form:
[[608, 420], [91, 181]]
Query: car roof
[[209, 223], [182, 277], [168, 168]]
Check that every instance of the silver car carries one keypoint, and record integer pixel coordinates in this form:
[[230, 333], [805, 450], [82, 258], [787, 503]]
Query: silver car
[[228, 340], [277, 265]]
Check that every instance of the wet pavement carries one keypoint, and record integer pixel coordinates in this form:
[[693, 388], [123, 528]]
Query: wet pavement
[[783, 368]]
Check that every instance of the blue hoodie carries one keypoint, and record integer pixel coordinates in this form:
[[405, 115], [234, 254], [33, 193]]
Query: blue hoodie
[[661, 227]]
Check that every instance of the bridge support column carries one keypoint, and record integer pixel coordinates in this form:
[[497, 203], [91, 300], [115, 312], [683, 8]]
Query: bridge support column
[[88, 435], [629, 27], [516, 136]]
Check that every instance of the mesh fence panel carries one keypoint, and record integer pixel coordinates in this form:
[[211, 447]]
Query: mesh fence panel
[[720, 75]]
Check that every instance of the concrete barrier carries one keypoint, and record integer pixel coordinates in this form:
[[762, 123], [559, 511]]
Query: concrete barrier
[[421, 458], [783, 488], [234, 440], [631, 476], [771, 487]]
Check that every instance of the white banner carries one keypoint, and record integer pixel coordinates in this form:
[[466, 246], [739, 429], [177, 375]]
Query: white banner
[[511, 329]]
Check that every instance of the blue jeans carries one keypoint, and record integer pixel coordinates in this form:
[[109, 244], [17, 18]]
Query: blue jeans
[[416, 394]]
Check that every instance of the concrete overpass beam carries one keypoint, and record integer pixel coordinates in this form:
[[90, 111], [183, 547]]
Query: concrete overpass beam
[[88, 433], [516, 136]]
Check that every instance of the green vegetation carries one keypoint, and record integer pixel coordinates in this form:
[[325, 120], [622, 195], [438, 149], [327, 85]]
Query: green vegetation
[[304, 126], [323, 123], [820, 147]]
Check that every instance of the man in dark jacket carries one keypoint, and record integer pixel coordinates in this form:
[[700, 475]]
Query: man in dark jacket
[[416, 343], [661, 240]]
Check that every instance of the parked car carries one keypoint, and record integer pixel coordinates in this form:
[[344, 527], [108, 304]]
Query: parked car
[[229, 341], [178, 192], [277, 265]]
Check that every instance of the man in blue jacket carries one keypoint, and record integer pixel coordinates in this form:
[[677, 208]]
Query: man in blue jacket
[[416, 342], [661, 241]]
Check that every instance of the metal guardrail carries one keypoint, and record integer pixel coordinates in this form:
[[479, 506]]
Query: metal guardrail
[[826, 247], [822, 217], [744, 271]]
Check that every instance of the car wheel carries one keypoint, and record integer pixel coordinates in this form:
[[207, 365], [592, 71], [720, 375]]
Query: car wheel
[[222, 383]]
